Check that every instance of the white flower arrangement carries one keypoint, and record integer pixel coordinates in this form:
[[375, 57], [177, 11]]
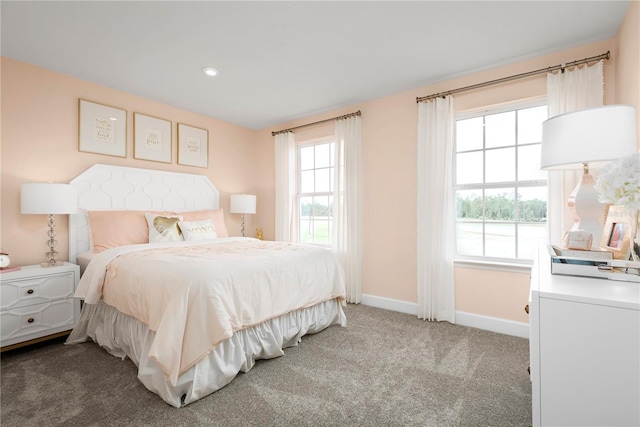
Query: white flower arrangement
[[619, 182]]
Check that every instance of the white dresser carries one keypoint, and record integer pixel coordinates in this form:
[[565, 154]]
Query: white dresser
[[37, 302], [585, 349]]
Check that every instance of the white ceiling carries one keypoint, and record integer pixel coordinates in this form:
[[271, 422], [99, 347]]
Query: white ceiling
[[283, 60]]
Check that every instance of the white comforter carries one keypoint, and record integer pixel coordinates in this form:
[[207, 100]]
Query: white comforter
[[194, 295]]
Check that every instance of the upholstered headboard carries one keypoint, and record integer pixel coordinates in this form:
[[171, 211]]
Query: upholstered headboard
[[106, 187]]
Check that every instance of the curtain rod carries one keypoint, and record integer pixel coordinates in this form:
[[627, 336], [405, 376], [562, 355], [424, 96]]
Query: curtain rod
[[515, 77], [346, 116]]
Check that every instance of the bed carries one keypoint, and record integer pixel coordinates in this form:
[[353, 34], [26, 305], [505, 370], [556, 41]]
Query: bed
[[164, 285]]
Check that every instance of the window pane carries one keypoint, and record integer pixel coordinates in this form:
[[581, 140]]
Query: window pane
[[323, 155], [306, 158], [530, 124], [321, 207], [306, 207], [501, 165], [529, 163], [321, 232], [323, 180], [469, 134], [500, 240], [469, 204], [499, 204], [306, 181], [469, 237], [469, 222], [500, 129], [532, 204], [306, 236], [469, 168], [530, 236]]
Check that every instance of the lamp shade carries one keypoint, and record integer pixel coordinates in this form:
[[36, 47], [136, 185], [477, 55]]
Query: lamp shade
[[48, 199], [592, 136], [243, 203]]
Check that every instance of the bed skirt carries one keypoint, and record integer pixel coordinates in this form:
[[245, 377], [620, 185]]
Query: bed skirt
[[124, 336]]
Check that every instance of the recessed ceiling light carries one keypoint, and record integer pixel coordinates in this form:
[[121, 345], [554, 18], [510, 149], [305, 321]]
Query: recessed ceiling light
[[210, 71]]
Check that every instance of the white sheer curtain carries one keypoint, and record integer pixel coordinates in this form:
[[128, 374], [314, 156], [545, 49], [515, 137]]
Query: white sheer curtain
[[435, 211], [347, 203], [577, 89], [285, 153]]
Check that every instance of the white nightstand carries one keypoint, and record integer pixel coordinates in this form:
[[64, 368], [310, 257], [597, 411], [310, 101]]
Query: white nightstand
[[37, 303]]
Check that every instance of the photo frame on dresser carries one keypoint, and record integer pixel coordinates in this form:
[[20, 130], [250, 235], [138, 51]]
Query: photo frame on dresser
[[193, 146], [616, 235], [102, 129], [151, 138]]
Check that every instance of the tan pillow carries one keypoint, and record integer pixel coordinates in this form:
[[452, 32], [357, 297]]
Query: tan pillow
[[110, 229]]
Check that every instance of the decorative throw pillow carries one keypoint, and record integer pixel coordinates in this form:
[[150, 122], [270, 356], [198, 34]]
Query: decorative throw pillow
[[163, 228], [198, 230], [215, 215]]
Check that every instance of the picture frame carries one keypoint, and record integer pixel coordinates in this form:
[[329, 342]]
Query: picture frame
[[151, 138], [102, 129], [616, 235], [193, 146]]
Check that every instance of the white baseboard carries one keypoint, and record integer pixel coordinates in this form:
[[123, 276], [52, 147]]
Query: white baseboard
[[494, 324]]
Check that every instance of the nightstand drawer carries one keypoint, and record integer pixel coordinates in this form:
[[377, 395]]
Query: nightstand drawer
[[24, 323], [36, 290]]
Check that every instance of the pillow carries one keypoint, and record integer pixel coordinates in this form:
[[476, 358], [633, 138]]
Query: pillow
[[215, 215], [198, 230], [163, 228], [117, 228]]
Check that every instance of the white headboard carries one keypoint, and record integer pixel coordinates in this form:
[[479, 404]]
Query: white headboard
[[105, 187]]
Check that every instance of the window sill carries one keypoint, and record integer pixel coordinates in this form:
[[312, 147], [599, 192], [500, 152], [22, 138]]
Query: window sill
[[493, 265]]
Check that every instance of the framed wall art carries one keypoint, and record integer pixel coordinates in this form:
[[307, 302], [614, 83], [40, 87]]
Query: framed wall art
[[193, 146], [616, 236], [151, 138], [102, 129]]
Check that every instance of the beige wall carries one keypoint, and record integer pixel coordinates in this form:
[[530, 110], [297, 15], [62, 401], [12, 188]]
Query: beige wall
[[40, 143], [389, 138], [628, 70]]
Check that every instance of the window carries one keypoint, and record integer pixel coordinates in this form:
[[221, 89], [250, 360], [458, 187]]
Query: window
[[315, 192], [501, 193]]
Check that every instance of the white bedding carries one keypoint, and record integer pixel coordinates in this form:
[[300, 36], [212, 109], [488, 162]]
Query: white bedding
[[195, 295]]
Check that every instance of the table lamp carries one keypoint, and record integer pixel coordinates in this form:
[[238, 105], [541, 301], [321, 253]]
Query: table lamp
[[243, 204], [585, 138], [48, 199]]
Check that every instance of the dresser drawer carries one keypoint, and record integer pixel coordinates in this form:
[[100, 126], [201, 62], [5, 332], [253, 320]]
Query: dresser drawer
[[25, 323], [36, 290]]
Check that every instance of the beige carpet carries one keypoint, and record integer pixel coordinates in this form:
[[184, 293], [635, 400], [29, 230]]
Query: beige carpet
[[383, 369]]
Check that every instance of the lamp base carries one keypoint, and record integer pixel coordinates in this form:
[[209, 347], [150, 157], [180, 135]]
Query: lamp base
[[47, 264], [587, 209]]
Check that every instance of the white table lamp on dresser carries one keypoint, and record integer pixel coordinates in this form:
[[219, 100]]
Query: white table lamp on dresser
[[48, 199], [584, 139]]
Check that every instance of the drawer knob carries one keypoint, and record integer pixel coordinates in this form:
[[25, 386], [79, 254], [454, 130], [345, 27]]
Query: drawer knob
[[526, 308], [31, 320], [30, 291]]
